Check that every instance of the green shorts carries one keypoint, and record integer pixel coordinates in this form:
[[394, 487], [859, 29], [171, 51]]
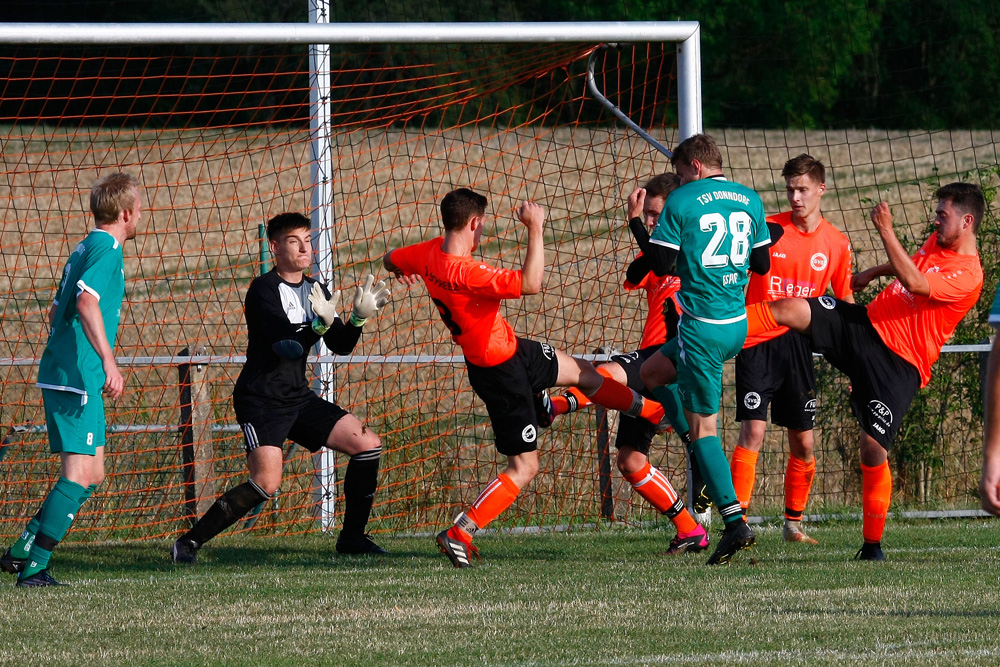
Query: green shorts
[[699, 352], [75, 422]]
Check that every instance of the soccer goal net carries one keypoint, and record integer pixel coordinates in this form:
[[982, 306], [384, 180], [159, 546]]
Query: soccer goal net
[[222, 136], [223, 132]]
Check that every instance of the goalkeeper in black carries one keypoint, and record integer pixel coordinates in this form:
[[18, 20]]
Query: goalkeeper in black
[[286, 313]]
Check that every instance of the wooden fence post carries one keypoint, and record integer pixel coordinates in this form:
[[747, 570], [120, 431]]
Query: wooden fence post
[[197, 450]]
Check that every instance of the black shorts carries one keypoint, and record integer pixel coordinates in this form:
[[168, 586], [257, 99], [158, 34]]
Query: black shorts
[[883, 384], [508, 390], [633, 431], [308, 423], [779, 373]]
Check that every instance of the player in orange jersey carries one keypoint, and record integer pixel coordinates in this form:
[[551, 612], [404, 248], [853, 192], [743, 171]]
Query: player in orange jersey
[[810, 256], [636, 435], [505, 371], [887, 349]]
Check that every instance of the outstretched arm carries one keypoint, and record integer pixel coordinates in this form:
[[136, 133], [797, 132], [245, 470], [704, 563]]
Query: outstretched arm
[[902, 266], [406, 279], [532, 216], [989, 484]]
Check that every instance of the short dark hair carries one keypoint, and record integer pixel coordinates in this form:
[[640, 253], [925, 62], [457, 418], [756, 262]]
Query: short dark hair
[[283, 223], [662, 185], [459, 206], [111, 195], [967, 198], [804, 165], [700, 147]]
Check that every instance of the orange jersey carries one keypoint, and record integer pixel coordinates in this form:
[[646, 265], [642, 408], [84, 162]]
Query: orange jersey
[[658, 290], [467, 293], [802, 265], [915, 327]]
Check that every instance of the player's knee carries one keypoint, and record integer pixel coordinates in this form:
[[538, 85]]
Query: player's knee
[[522, 469], [872, 452], [267, 482], [630, 462], [752, 434], [650, 376], [805, 449], [589, 379]]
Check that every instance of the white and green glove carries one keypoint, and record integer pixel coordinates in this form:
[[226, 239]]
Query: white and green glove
[[368, 299], [326, 310]]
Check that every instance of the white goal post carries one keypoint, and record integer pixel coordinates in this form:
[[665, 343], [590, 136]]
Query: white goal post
[[319, 34]]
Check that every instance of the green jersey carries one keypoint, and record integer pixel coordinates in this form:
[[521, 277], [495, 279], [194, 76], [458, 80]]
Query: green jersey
[[69, 362], [995, 309], [713, 224]]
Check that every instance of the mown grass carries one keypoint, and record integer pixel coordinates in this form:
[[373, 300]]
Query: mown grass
[[588, 598]]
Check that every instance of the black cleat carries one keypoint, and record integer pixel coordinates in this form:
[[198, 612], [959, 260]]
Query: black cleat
[[38, 580], [460, 553], [10, 564], [185, 550], [735, 536], [544, 412], [358, 545], [870, 551]]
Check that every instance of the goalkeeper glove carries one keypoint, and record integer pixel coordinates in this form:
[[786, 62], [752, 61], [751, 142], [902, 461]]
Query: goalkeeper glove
[[326, 310], [368, 299]]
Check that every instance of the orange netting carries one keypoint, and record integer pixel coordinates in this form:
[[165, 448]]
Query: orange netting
[[221, 142], [220, 139]]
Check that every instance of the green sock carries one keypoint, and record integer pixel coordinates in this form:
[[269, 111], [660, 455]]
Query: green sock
[[718, 478], [671, 401], [21, 548], [58, 512], [87, 493]]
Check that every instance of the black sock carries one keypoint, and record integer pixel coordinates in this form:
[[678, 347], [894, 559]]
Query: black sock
[[227, 510], [360, 484]]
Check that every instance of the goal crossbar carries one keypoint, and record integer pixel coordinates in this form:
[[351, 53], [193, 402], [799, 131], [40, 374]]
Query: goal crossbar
[[687, 35], [346, 33]]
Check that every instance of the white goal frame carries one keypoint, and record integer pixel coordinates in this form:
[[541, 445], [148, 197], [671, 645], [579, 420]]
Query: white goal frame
[[319, 34]]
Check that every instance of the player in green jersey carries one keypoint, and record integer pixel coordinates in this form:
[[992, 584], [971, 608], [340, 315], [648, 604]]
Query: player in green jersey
[[77, 368], [714, 231]]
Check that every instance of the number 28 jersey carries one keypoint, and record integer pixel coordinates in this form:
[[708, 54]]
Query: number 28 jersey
[[467, 293], [713, 224]]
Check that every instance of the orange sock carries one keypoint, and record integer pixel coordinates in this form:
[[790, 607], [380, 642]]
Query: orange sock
[[652, 485], [798, 482], [684, 522], [616, 396], [744, 469], [571, 401], [760, 318], [876, 492], [494, 499]]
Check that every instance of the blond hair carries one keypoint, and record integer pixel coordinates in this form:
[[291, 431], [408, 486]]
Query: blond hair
[[111, 195]]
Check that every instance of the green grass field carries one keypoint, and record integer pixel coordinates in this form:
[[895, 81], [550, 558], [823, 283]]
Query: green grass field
[[586, 598]]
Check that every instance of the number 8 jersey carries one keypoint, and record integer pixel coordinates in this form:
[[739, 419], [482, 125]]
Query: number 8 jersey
[[713, 224]]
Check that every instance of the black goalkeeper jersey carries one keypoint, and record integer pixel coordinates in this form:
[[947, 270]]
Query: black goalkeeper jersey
[[277, 310]]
